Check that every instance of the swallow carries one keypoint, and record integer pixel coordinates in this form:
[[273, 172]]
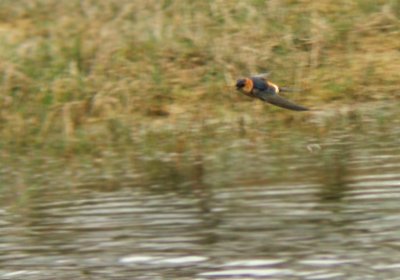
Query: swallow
[[259, 87]]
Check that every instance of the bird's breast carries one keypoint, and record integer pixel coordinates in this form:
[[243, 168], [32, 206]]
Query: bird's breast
[[248, 86]]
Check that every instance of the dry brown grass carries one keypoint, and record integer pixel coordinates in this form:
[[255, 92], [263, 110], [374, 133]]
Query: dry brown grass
[[73, 69]]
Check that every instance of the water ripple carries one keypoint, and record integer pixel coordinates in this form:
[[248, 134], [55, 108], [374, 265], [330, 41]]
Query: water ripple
[[252, 211]]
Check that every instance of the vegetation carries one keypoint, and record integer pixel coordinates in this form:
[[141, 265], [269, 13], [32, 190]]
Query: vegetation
[[84, 74]]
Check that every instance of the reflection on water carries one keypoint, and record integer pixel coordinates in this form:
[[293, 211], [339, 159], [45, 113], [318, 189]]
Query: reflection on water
[[246, 205]]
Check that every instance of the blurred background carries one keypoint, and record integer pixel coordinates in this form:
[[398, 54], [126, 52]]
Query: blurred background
[[126, 150]]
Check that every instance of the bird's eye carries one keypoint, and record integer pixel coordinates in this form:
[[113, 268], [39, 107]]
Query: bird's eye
[[240, 83]]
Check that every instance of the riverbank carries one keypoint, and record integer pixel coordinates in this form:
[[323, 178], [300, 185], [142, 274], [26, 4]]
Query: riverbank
[[102, 71]]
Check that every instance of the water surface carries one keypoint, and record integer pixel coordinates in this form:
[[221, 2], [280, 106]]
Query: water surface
[[223, 200]]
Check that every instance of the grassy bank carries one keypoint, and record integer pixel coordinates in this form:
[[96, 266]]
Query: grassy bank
[[83, 73]]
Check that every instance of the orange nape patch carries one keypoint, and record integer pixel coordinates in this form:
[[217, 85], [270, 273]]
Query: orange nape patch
[[273, 86], [248, 86]]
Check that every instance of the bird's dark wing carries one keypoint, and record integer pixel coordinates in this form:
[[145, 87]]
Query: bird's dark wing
[[282, 102]]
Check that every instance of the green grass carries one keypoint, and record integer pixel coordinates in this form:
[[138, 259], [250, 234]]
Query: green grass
[[76, 70]]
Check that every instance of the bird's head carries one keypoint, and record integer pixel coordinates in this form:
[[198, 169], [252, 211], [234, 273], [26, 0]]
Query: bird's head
[[245, 86], [240, 83]]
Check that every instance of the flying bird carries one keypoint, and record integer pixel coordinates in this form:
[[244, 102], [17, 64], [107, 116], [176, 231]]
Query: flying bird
[[259, 87]]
